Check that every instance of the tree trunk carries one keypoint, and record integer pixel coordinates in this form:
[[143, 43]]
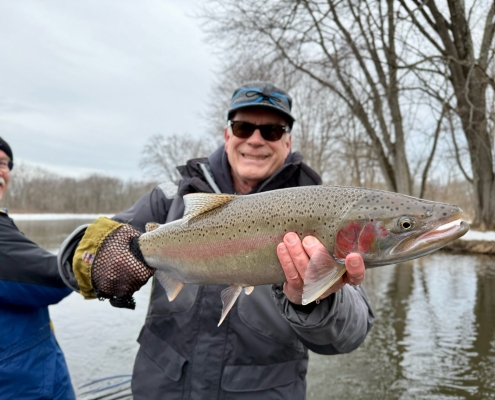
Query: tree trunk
[[471, 107]]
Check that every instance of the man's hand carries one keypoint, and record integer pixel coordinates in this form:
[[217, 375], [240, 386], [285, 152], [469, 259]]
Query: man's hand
[[119, 268], [294, 256]]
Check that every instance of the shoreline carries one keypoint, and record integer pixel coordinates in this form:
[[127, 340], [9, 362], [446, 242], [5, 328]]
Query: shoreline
[[471, 246], [474, 242]]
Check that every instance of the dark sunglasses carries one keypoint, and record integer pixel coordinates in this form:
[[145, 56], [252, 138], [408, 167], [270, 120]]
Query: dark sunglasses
[[270, 132]]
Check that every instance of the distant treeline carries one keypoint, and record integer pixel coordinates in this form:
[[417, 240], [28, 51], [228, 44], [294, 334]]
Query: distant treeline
[[36, 190]]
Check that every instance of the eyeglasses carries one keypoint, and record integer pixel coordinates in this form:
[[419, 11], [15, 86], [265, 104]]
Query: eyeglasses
[[270, 132], [6, 165]]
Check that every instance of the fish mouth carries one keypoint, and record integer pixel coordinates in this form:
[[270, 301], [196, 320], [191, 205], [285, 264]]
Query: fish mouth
[[436, 238]]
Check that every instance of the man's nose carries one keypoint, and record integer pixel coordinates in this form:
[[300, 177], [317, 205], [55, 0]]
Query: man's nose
[[256, 137]]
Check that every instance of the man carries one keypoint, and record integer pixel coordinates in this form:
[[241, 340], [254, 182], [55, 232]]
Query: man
[[260, 350], [32, 365]]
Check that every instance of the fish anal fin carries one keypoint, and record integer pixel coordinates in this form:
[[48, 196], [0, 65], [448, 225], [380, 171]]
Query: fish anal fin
[[322, 272], [229, 296], [248, 290], [199, 203], [172, 286], [151, 226]]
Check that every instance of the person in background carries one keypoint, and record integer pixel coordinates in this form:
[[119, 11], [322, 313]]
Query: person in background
[[260, 351], [32, 365]]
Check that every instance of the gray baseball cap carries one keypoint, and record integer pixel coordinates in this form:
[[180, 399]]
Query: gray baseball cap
[[261, 94]]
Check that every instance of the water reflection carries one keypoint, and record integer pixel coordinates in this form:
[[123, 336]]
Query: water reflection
[[49, 234], [433, 337]]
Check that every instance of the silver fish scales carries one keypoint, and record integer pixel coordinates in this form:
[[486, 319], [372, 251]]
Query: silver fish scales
[[228, 239]]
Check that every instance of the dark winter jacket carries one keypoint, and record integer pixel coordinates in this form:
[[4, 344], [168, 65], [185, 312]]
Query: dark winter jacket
[[32, 365], [260, 351]]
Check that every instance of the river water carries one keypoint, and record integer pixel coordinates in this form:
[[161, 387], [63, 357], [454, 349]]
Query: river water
[[434, 335]]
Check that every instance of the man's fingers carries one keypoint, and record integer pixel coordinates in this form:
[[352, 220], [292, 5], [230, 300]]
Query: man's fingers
[[294, 257], [296, 252], [312, 245], [288, 266], [355, 268], [293, 286]]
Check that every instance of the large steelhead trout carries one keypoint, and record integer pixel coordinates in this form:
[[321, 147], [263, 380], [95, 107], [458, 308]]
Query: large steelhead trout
[[228, 239]]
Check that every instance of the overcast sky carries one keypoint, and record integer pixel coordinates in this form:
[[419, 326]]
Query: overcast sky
[[84, 84]]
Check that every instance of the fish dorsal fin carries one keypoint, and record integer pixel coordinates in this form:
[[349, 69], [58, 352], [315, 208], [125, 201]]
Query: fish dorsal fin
[[199, 203], [229, 296], [151, 226], [322, 272], [172, 286]]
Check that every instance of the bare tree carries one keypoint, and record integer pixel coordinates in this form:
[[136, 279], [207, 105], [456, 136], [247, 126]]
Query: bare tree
[[327, 135], [34, 189], [348, 48], [161, 155], [461, 38], [376, 55]]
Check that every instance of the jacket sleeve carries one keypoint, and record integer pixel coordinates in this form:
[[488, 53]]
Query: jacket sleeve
[[338, 324], [28, 274], [152, 207]]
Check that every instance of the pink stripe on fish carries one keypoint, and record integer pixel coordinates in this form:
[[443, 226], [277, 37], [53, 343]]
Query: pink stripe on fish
[[212, 250]]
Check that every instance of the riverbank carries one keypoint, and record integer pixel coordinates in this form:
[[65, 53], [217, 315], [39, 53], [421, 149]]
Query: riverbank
[[474, 242]]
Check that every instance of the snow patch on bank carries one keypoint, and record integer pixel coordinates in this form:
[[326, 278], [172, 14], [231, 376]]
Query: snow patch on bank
[[55, 217], [477, 235]]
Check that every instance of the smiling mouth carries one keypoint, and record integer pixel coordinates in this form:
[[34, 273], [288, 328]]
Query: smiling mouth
[[256, 158]]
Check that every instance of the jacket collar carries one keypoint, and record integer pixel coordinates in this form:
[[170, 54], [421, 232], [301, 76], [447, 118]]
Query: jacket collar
[[220, 169]]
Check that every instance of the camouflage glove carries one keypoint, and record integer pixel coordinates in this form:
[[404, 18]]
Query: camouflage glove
[[118, 269]]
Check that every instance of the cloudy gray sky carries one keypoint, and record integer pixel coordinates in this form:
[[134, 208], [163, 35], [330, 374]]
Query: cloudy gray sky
[[84, 84]]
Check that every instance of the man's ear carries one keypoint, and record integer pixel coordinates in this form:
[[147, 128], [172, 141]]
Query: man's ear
[[288, 142]]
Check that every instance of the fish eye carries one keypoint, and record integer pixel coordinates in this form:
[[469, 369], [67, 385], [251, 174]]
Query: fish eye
[[406, 223]]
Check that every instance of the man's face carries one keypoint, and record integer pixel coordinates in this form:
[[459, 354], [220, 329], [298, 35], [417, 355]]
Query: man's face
[[4, 173], [254, 159]]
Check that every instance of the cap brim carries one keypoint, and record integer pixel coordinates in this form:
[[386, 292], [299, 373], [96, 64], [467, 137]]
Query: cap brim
[[285, 114]]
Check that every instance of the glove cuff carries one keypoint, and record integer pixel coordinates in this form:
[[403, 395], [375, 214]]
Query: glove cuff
[[86, 251]]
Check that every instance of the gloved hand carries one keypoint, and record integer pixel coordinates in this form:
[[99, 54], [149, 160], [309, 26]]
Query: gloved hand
[[119, 269]]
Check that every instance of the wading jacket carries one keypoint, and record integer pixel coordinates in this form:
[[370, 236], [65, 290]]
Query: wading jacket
[[261, 349], [32, 365]]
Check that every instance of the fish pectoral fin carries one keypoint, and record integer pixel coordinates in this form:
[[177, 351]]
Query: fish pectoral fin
[[229, 296], [172, 286], [151, 226], [248, 290], [322, 272], [199, 203]]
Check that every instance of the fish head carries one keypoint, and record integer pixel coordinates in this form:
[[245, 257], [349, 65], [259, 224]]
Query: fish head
[[387, 228]]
